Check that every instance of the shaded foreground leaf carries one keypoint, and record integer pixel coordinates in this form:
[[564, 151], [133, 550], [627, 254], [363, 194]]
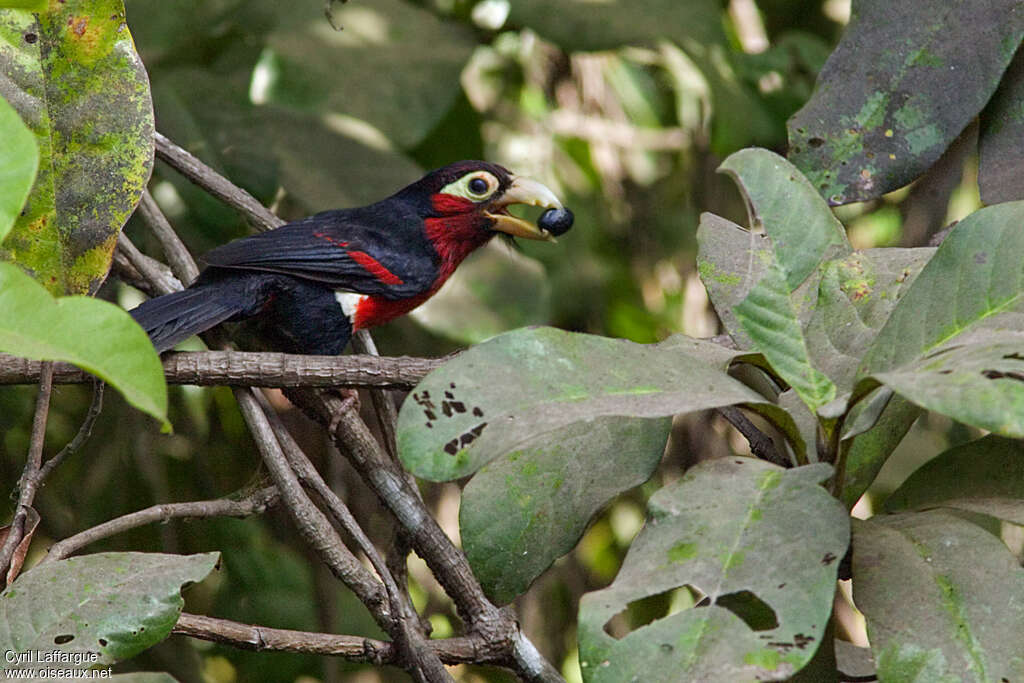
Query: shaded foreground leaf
[[95, 335], [881, 113], [112, 604], [511, 390], [19, 159], [943, 598], [953, 342], [759, 544], [984, 476], [520, 513], [1001, 139], [82, 89]]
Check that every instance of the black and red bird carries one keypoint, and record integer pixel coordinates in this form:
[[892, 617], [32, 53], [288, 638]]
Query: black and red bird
[[313, 282]]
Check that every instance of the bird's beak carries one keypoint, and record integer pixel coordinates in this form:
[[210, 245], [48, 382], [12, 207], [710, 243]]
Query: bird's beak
[[523, 191]]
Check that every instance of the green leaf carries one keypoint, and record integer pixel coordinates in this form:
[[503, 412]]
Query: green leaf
[[494, 291], [395, 66], [519, 514], [759, 545], [493, 398], [30, 5], [856, 295], [1001, 138], [943, 598], [80, 86], [95, 335], [112, 604], [952, 344], [780, 199], [19, 159], [770, 320], [984, 476], [872, 448], [881, 113]]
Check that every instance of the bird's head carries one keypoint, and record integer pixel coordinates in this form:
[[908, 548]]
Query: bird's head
[[469, 200]]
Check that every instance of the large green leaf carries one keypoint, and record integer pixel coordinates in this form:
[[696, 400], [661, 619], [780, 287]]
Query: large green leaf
[[882, 113], [522, 512], [75, 78], [757, 546], [112, 604], [984, 476], [394, 66], [95, 335], [19, 159], [517, 387], [943, 598], [953, 342], [1001, 139]]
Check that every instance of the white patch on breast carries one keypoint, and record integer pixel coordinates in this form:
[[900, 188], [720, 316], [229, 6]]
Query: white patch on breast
[[349, 302]]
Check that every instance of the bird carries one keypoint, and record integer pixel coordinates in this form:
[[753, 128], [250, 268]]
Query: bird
[[313, 282]]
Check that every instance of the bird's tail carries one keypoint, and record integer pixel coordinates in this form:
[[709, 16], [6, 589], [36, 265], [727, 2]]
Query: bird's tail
[[172, 318]]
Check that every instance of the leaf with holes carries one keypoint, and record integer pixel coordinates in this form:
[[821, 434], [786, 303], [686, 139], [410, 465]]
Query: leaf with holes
[[758, 548], [943, 598], [984, 476], [93, 334], [953, 343], [528, 385], [112, 605], [19, 159], [519, 514], [881, 113], [73, 75]]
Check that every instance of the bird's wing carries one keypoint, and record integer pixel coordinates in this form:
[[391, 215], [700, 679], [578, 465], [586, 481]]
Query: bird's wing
[[340, 252]]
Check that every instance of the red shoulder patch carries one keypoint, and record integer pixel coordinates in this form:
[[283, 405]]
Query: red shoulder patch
[[375, 267]]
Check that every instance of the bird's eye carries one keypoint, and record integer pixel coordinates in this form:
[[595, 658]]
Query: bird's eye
[[478, 186]]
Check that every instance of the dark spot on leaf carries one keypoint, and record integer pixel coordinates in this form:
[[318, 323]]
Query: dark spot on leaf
[[828, 559], [1013, 356], [739, 462], [430, 425], [816, 142], [449, 394], [30, 38], [66, 638], [452, 447], [781, 586], [452, 385], [997, 374], [477, 412], [981, 258], [665, 647], [431, 415], [446, 408], [458, 406], [801, 641], [103, 642], [945, 372], [754, 611]]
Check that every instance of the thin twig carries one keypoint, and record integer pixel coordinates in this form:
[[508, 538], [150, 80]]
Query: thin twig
[[313, 526], [29, 482], [413, 637], [158, 275], [253, 504], [251, 369], [178, 257], [383, 405], [761, 445], [460, 650], [216, 184], [83, 432]]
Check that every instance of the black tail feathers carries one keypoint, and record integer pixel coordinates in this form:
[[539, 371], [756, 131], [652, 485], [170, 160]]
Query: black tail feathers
[[172, 318]]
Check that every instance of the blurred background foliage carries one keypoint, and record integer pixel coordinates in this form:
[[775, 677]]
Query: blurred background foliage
[[625, 108]]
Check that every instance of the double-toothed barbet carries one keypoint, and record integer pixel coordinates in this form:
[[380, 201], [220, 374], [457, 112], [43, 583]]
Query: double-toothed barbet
[[313, 282]]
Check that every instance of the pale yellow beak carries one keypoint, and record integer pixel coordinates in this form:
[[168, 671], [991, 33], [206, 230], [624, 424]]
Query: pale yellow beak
[[528, 192]]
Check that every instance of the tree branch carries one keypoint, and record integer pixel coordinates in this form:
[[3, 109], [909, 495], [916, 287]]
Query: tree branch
[[83, 434], [252, 504], [248, 369], [29, 482], [214, 183], [462, 650], [182, 264]]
